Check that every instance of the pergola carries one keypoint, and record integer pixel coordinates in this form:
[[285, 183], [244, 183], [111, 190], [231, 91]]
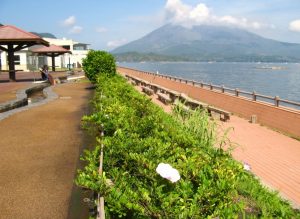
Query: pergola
[[52, 51], [13, 39]]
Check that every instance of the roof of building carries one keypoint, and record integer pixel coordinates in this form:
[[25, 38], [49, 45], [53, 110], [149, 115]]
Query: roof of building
[[51, 49], [9, 33]]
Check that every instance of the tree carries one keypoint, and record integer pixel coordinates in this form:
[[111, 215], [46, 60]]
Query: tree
[[98, 62]]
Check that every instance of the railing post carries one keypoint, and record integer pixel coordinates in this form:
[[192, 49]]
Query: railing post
[[254, 96], [276, 101], [223, 89], [237, 92]]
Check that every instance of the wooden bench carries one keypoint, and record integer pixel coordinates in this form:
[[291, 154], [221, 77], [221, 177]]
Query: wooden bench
[[174, 95], [147, 90], [156, 88], [133, 82], [165, 98], [217, 112], [182, 107], [127, 77], [192, 102], [144, 83]]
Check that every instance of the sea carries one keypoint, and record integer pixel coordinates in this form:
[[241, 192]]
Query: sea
[[270, 79]]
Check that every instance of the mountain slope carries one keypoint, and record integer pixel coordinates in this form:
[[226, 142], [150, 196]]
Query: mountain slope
[[47, 35], [217, 43]]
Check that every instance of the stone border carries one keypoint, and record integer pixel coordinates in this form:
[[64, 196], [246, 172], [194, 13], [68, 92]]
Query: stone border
[[21, 103]]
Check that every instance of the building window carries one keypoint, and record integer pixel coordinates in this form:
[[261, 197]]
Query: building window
[[17, 59], [66, 47], [80, 46]]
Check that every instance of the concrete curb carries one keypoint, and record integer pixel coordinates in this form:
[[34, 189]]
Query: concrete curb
[[21, 102]]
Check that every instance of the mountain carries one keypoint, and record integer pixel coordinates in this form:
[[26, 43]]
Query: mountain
[[47, 35], [209, 43]]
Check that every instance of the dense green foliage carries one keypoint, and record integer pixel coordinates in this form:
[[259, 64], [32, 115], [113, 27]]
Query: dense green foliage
[[98, 62], [139, 136]]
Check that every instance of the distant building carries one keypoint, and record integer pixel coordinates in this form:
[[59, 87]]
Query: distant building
[[27, 61]]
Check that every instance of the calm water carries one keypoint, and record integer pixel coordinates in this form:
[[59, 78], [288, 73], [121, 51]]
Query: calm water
[[284, 82]]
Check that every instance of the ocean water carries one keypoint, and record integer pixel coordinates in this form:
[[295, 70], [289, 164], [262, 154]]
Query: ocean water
[[270, 79]]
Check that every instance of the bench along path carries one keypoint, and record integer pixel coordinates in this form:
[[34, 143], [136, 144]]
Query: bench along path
[[272, 156], [39, 153]]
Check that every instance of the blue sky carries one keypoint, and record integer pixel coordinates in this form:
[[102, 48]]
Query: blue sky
[[106, 24]]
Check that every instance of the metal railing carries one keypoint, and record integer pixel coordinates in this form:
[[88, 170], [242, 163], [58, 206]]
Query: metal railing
[[276, 101]]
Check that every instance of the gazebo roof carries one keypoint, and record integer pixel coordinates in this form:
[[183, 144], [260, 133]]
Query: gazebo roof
[[12, 34], [51, 49]]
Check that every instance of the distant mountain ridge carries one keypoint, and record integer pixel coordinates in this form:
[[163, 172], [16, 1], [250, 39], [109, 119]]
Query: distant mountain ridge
[[46, 35], [209, 43]]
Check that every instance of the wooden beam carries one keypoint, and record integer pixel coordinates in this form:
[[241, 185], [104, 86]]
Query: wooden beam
[[3, 49]]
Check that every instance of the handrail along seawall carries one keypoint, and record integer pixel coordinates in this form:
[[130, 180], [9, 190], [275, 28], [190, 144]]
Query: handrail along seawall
[[280, 114]]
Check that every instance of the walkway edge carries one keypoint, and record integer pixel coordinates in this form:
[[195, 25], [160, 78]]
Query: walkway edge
[[22, 95]]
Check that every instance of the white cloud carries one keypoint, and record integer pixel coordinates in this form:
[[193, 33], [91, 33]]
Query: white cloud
[[69, 21], [179, 13], [101, 30], [115, 43], [295, 25], [76, 30]]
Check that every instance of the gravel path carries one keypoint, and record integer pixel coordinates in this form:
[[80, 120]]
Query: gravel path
[[39, 153]]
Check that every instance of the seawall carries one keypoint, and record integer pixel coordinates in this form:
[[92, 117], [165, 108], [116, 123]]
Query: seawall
[[283, 119]]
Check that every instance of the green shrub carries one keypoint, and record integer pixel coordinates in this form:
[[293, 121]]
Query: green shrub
[[139, 136], [98, 62]]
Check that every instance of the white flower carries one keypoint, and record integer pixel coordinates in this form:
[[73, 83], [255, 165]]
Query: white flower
[[247, 166], [168, 172]]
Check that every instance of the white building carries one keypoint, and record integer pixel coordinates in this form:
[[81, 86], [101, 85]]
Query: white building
[[27, 61]]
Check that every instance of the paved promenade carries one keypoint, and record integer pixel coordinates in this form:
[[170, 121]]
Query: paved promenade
[[39, 153], [272, 156]]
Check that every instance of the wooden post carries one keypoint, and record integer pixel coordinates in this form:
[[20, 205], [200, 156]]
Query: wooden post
[[11, 62], [254, 96], [100, 208], [276, 99], [53, 61], [223, 89], [236, 92]]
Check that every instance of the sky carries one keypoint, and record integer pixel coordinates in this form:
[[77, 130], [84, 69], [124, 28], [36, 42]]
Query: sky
[[107, 24]]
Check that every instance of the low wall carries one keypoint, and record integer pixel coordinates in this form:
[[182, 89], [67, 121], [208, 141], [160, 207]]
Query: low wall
[[279, 118]]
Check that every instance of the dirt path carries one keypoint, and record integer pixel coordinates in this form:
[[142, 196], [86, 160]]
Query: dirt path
[[9, 90], [39, 153], [273, 157]]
